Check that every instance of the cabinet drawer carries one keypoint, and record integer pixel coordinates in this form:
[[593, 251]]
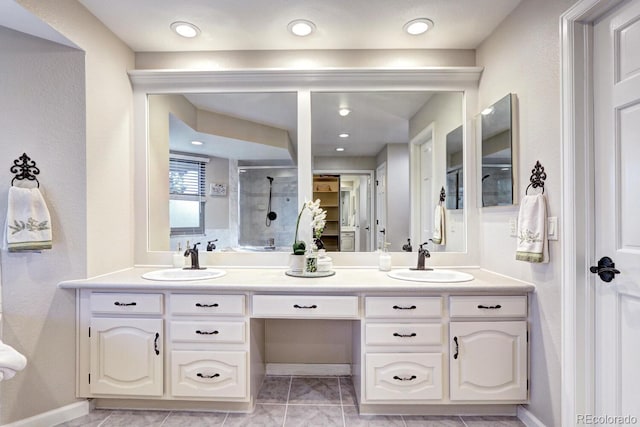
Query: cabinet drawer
[[126, 303], [403, 307], [488, 306], [212, 305], [404, 377], [221, 374], [305, 306], [403, 334], [219, 332]]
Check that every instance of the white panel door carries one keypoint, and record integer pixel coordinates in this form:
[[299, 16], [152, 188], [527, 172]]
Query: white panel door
[[126, 356], [617, 179], [427, 204], [381, 204], [488, 361]]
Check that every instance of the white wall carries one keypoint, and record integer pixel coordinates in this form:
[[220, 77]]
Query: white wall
[[523, 57], [109, 106], [43, 115]]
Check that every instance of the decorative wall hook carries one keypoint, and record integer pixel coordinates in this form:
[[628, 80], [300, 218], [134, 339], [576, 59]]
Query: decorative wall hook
[[25, 168], [538, 175], [443, 195]]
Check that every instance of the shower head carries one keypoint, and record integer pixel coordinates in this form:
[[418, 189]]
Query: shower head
[[270, 179]]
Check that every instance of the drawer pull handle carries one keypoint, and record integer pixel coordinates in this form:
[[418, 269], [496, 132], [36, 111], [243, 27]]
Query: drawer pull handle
[[412, 334], [201, 375], [207, 305], [411, 378], [490, 307], [155, 344], [304, 306], [455, 340], [124, 304], [397, 307], [206, 332]]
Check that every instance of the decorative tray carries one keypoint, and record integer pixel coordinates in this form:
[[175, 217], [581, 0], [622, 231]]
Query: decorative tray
[[316, 274]]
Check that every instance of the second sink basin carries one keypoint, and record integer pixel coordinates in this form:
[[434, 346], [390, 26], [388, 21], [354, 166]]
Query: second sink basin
[[434, 276], [179, 275]]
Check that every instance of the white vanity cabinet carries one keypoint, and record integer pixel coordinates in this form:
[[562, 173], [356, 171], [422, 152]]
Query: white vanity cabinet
[[209, 352], [488, 348], [125, 337], [402, 350]]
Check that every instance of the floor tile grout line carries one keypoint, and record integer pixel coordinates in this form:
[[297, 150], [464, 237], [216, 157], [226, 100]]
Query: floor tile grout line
[[225, 419], [105, 420], [165, 418], [463, 422], [344, 420], [286, 406]]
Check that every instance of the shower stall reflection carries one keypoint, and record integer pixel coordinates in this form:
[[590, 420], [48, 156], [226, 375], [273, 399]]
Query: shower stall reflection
[[267, 208]]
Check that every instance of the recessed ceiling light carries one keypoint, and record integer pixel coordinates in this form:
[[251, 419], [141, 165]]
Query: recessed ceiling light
[[418, 26], [344, 135], [196, 142], [185, 29], [344, 111], [339, 149], [301, 27]]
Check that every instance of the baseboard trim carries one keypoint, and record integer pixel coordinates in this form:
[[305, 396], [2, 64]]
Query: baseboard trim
[[528, 419], [55, 416], [318, 369]]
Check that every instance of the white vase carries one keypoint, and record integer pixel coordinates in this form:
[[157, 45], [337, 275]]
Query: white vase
[[296, 263]]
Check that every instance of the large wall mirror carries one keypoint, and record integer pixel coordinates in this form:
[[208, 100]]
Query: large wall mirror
[[223, 167], [498, 150]]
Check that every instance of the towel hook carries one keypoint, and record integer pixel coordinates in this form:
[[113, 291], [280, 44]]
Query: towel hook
[[538, 175], [443, 195], [25, 168]]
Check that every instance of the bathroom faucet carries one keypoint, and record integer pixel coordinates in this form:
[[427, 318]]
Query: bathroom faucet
[[423, 253], [193, 252], [211, 245]]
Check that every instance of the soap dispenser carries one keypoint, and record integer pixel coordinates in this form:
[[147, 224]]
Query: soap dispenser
[[178, 257], [384, 262]]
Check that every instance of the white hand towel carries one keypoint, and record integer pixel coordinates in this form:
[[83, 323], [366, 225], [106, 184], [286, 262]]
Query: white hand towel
[[532, 229], [28, 226], [439, 230], [11, 361]]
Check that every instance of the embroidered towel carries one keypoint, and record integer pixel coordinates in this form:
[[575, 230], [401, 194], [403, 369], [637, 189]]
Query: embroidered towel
[[28, 225], [439, 231], [11, 361], [532, 229]]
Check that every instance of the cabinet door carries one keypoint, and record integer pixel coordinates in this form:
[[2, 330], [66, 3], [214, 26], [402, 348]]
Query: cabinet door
[[488, 360], [126, 356]]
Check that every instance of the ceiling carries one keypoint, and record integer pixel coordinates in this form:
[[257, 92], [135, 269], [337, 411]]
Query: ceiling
[[226, 25], [262, 25]]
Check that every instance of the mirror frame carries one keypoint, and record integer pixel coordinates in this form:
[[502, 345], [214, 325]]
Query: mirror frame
[[303, 82]]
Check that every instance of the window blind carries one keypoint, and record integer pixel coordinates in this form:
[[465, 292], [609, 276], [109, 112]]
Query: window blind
[[186, 179]]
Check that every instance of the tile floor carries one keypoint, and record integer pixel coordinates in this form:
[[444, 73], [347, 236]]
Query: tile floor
[[288, 402]]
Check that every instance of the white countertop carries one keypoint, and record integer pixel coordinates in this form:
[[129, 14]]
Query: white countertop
[[267, 280]]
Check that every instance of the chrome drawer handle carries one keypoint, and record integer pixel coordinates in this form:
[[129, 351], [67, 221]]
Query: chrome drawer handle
[[412, 334], [206, 332], [205, 376], [304, 306], [207, 305], [397, 307], [490, 307], [124, 304], [411, 378]]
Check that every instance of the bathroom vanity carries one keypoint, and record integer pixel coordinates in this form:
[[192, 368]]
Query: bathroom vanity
[[418, 348]]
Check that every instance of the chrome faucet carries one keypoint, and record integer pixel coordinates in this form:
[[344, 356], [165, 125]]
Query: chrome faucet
[[193, 252], [423, 253]]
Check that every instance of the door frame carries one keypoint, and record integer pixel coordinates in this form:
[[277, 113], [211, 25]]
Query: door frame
[[578, 207]]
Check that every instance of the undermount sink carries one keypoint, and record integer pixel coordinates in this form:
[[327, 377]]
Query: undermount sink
[[179, 274], [434, 276]]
